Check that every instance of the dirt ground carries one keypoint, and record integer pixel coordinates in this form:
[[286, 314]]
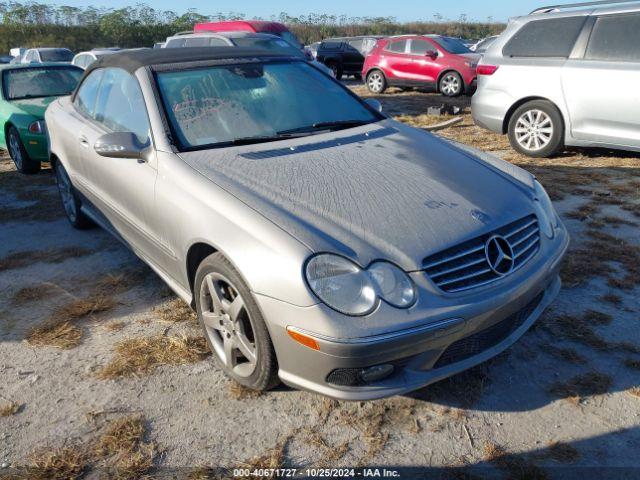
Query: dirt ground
[[103, 369]]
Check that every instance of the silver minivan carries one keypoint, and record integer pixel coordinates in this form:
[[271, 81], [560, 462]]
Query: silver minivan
[[564, 75]]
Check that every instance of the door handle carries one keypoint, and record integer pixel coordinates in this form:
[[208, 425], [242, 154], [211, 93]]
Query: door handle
[[84, 142]]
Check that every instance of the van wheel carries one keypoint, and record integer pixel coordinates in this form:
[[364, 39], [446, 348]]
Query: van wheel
[[451, 84], [376, 83], [536, 129], [19, 155], [233, 325]]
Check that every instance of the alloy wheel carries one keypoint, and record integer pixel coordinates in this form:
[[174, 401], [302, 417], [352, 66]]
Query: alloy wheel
[[450, 85], [375, 82], [534, 130], [15, 150], [228, 324], [66, 194]]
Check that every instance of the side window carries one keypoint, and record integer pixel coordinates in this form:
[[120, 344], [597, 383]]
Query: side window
[[217, 42], [331, 45], [197, 42], [399, 46], [420, 47], [615, 38], [30, 57], [554, 37], [355, 44], [120, 106], [175, 43], [85, 100]]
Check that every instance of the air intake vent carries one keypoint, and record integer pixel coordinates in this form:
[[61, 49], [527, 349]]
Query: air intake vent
[[466, 266]]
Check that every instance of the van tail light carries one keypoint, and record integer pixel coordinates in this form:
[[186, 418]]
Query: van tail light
[[487, 69]]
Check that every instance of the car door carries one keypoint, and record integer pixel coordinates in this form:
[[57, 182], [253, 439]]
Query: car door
[[353, 58], [600, 86], [424, 68], [123, 189], [396, 61]]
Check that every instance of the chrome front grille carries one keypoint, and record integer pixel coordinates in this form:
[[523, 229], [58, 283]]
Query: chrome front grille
[[465, 266]]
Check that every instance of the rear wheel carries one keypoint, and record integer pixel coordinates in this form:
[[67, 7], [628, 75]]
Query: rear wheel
[[70, 200], [451, 84], [233, 325], [536, 129], [336, 69], [376, 83], [24, 164]]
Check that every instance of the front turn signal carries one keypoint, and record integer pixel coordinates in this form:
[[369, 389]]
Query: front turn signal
[[303, 339]]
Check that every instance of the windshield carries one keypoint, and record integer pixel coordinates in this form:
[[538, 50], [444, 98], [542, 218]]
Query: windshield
[[451, 45], [254, 103], [270, 44], [58, 55], [39, 82], [291, 39]]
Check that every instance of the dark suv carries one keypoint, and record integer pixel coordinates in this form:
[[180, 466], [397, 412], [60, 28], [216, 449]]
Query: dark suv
[[345, 56]]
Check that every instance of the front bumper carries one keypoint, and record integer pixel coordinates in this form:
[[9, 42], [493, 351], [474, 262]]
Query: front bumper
[[473, 333]]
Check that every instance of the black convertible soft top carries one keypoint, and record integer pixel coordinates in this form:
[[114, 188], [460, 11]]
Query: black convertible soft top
[[132, 60]]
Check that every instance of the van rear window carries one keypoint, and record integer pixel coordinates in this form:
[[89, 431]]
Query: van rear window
[[553, 37]]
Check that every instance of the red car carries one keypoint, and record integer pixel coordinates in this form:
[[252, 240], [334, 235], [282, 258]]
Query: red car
[[422, 61], [254, 26]]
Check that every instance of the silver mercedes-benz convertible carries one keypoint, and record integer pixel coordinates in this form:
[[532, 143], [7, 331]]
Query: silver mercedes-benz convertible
[[322, 244]]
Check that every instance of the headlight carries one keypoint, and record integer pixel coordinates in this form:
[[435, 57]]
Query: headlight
[[37, 127], [341, 284], [545, 210], [393, 284]]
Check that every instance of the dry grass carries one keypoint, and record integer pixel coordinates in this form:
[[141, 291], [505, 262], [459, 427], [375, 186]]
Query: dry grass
[[28, 295], [60, 463], [566, 354], [612, 298], [634, 391], [141, 356], [271, 459], [60, 329], [516, 466], [579, 329], [632, 363], [63, 335], [582, 386], [123, 449], [43, 200], [240, 392], [8, 408], [562, 452], [54, 255], [176, 311], [115, 326]]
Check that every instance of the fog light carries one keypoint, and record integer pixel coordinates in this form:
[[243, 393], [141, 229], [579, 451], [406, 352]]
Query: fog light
[[357, 377], [373, 374]]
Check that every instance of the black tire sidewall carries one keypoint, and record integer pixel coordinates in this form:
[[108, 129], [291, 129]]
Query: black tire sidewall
[[81, 222], [28, 165], [265, 375], [557, 139]]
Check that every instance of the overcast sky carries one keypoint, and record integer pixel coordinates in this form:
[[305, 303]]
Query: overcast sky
[[403, 10]]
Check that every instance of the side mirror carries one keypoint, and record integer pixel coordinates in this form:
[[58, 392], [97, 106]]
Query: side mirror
[[375, 104], [120, 145], [432, 54]]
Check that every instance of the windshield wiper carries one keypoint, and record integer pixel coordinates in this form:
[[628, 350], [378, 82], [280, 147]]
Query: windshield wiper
[[335, 125], [257, 139]]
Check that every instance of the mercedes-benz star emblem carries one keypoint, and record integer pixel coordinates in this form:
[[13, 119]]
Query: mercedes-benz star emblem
[[499, 255]]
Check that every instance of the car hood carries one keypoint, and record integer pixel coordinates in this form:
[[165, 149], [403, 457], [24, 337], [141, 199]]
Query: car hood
[[382, 191], [32, 106]]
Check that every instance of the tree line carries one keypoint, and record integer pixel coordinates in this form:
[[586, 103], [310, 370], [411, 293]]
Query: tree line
[[34, 24]]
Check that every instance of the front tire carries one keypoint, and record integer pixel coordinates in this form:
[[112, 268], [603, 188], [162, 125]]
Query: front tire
[[336, 69], [70, 200], [376, 82], [17, 152], [451, 84], [536, 129], [233, 325]]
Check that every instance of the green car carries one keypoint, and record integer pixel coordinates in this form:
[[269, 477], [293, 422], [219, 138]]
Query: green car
[[26, 92]]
